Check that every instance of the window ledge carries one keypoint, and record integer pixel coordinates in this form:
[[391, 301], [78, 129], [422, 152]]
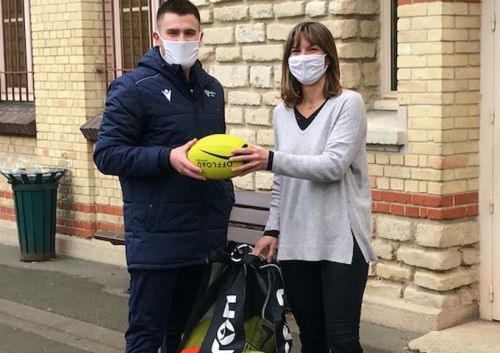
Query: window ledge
[[91, 127], [388, 103], [17, 118], [385, 128]]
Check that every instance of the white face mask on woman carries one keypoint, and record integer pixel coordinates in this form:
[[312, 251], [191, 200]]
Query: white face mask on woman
[[180, 52], [307, 69]]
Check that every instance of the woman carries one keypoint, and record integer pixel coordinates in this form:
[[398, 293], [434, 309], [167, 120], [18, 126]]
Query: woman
[[320, 206]]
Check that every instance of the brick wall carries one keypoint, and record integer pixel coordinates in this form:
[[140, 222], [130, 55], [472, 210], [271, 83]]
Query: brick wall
[[67, 45], [21, 147], [425, 200], [424, 197]]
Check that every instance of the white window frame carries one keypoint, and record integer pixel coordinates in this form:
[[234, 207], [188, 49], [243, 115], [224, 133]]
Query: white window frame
[[29, 60], [118, 40]]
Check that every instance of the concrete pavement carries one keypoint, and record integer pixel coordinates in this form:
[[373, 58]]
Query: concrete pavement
[[61, 329], [74, 306], [16, 340], [473, 337]]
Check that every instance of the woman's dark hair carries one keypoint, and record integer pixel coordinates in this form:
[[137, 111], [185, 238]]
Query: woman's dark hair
[[316, 34], [179, 7]]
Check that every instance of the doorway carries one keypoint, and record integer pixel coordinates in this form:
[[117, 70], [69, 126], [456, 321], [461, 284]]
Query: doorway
[[489, 204]]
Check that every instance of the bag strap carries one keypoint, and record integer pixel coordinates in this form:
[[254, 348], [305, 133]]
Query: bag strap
[[221, 255], [203, 305], [226, 333], [275, 308]]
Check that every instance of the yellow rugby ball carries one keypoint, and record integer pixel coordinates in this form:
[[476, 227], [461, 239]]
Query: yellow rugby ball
[[211, 154]]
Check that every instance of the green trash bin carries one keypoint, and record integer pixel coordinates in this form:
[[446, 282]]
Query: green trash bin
[[35, 200]]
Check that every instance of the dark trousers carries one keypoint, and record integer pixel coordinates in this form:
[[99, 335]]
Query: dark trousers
[[325, 298], [159, 306]]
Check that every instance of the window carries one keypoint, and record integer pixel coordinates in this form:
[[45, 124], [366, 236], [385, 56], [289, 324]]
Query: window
[[16, 67], [389, 48], [386, 122], [128, 25]]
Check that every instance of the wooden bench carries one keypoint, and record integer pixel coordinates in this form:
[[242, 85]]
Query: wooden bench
[[246, 223], [249, 216]]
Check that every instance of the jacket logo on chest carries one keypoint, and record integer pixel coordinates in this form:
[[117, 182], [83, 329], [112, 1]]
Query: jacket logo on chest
[[167, 93], [210, 94]]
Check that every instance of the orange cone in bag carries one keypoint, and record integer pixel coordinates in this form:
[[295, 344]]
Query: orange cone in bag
[[191, 350]]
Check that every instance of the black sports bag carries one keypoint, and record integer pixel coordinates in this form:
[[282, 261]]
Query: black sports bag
[[243, 309]]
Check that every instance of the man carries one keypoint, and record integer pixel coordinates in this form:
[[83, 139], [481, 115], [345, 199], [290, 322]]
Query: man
[[173, 216]]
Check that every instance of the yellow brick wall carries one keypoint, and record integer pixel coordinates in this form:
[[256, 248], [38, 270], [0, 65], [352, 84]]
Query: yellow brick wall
[[65, 50], [67, 46], [438, 86], [20, 147]]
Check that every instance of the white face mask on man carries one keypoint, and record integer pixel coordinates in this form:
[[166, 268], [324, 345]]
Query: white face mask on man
[[180, 52], [307, 69]]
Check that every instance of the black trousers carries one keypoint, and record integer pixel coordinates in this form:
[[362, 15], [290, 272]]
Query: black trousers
[[325, 298], [159, 306]]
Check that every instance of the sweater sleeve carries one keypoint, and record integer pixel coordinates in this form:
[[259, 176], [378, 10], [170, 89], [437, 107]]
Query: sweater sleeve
[[273, 221], [118, 149], [345, 139]]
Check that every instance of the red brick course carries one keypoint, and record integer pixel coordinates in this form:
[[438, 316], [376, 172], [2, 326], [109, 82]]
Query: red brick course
[[383, 201], [425, 206]]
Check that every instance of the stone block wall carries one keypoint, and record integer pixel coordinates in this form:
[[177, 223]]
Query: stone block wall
[[243, 48]]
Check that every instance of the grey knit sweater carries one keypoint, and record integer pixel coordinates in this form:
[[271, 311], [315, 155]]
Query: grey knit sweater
[[321, 188]]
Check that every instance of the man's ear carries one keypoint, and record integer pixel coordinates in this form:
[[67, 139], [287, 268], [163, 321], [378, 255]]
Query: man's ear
[[201, 37], [156, 38]]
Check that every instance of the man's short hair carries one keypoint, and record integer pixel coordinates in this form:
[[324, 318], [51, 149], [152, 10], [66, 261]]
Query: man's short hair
[[179, 7]]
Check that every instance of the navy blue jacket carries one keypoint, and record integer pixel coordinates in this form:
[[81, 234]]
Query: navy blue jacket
[[170, 220]]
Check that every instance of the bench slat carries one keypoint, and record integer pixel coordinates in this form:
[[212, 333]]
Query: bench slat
[[242, 235], [249, 216], [251, 208], [252, 199], [113, 238]]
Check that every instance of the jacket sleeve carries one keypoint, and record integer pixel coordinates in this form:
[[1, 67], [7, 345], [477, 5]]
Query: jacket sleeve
[[345, 139], [118, 149]]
